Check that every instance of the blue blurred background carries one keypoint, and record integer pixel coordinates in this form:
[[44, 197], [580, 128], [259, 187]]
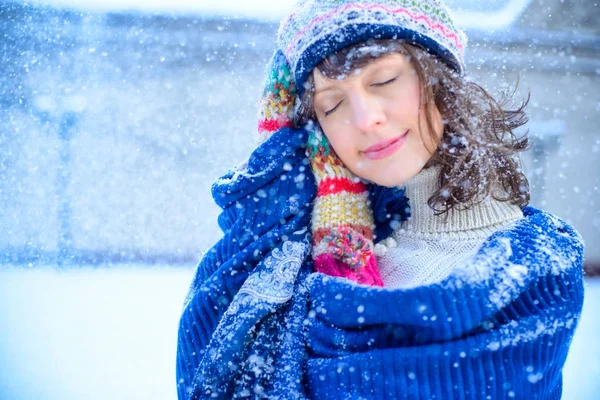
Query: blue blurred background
[[116, 116]]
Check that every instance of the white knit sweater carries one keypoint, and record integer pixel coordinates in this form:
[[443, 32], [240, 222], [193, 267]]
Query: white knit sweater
[[425, 248]]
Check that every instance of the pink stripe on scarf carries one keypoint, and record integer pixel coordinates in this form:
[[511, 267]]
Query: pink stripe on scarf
[[365, 275]]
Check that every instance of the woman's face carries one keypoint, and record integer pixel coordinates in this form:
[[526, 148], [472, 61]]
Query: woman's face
[[375, 121]]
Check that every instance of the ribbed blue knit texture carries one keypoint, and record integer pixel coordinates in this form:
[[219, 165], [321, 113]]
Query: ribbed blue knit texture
[[498, 328], [229, 330], [257, 323]]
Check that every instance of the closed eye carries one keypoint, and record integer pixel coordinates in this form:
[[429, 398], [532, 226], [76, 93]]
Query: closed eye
[[333, 109], [385, 83], [327, 113]]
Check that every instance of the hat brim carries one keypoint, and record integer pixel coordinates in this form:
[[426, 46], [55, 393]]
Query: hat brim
[[356, 33]]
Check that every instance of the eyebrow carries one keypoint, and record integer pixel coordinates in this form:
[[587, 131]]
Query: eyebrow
[[326, 88]]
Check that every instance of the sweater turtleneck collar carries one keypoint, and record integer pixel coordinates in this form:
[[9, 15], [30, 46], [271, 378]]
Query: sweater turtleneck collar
[[481, 219]]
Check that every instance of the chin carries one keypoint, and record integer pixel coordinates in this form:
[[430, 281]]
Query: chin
[[389, 181], [392, 178]]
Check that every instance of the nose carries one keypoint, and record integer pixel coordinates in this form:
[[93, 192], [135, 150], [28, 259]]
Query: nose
[[368, 113]]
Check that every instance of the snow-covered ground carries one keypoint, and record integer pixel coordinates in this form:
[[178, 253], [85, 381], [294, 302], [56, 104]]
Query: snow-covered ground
[[110, 333]]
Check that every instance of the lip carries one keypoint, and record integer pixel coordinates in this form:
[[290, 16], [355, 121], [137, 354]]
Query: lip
[[385, 148]]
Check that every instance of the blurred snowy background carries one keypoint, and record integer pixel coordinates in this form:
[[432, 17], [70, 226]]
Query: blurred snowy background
[[116, 116]]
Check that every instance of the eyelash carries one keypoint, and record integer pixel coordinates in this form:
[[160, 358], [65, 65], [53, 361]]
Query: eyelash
[[328, 113], [386, 82]]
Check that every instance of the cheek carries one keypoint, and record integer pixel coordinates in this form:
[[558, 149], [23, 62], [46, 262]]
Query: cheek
[[344, 147], [336, 136], [406, 103]]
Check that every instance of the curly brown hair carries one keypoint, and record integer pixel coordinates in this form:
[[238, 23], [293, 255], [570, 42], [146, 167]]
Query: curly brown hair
[[479, 149]]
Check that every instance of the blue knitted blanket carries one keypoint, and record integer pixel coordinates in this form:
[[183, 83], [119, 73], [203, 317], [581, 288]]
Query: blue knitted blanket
[[257, 323]]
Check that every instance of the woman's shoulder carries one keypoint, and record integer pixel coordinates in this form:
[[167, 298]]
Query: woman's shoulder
[[541, 241], [540, 223]]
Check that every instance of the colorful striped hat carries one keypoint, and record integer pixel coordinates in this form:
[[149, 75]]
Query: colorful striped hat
[[316, 28]]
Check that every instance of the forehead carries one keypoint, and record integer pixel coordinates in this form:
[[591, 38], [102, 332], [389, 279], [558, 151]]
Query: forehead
[[348, 72]]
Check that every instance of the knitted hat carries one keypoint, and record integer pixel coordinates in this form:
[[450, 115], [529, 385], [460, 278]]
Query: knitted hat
[[317, 28]]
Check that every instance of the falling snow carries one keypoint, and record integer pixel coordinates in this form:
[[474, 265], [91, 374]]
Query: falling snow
[[117, 116]]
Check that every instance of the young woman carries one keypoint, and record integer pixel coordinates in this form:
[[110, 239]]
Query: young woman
[[377, 243]]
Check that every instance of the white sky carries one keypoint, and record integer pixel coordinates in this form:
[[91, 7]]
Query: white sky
[[496, 18], [263, 9]]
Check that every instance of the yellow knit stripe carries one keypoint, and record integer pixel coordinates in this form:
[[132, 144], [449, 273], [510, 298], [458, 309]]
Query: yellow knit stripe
[[343, 208], [328, 167]]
